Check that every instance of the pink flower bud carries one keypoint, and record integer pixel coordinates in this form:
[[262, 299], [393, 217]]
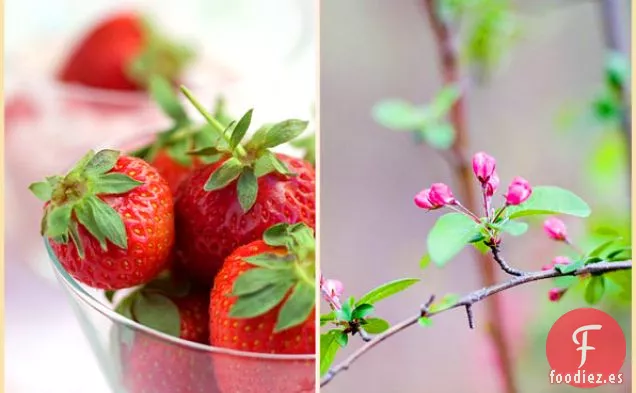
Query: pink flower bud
[[331, 291], [560, 260], [441, 195], [422, 200], [518, 192], [492, 184], [483, 166], [555, 229], [555, 294]]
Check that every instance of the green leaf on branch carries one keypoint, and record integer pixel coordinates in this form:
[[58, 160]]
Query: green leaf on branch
[[386, 290], [425, 261], [570, 267], [399, 115], [328, 349], [595, 289], [598, 250], [515, 228], [550, 200], [425, 322], [565, 281], [446, 301], [362, 311], [620, 254], [376, 325], [326, 318], [342, 339], [440, 136], [449, 236], [623, 280]]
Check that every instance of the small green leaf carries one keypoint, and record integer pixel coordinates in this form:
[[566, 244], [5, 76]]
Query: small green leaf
[[163, 94], [263, 165], [86, 217], [345, 312], [595, 289], [109, 295], [257, 279], [550, 200], [283, 132], [260, 302], [342, 339], [109, 222], [446, 301], [247, 189], [515, 228], [590, 260], [240, 129], [620, 254], [224, 175], [444, 101], [73, 231], [386, 290], [297, 308], [570, 267], [440, 136], [115, 183], [102, 162], [449, 236], [362, 311], [326, 318], [425, 261], [376, 325], [58, 220], [565, 281], [270, 261], [399, 115], [328, 349], [158, 312], [425, 322], [42, 190], [276, 235], [479, 237]]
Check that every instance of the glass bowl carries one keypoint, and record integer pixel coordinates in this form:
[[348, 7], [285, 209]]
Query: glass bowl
[[137, 359]]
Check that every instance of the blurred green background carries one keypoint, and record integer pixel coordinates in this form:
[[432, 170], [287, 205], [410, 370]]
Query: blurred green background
[[540, 113]]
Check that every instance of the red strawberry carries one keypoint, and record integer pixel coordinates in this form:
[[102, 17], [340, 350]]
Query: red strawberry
[[120, 52], [263, 301], [109, 221], [223, 205], [153, 364]]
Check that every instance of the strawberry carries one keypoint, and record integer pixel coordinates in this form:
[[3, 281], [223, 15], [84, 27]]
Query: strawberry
[[263, 301], [232, 201], [152, 364], [169, 152], [109, 221], [120, 52]]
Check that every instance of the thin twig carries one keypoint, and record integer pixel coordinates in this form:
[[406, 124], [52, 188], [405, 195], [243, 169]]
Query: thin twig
[[467, 302], [496, 254], [446, 39]]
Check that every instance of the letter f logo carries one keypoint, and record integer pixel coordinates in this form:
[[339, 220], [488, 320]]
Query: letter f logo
[[583, 344]]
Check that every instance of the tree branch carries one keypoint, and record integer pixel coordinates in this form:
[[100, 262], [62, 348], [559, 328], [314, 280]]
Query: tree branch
[[502, 262], [467, 302], [446, 39]]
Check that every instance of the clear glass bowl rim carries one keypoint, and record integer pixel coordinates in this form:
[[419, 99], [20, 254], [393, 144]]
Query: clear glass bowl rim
[[98, 306]]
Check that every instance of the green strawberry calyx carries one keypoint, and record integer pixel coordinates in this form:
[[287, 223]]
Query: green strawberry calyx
[[260, 289], [153, 304], [183, 136], [249, 161], [160, 56], [74, 199]]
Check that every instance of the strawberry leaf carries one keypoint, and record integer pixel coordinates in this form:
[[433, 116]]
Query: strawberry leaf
[[224, 175], [102, 162], [86, 217], [257, 279], [76, 239], [162, 92], [260, 302], [58, 219], [263, 164], [276, 235], [42, 190], [115, 183], [108, 221], [297, 308], [270, 261], [158, 312], [240, 129], [283, 132], [247, 188]]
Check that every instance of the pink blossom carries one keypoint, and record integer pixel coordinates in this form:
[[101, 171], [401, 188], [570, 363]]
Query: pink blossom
[[441, 195], [518, 192], [483, 166], [491, 185], [555, 294], [555, 229], [560, 260], [422, 200], [331, 291]]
